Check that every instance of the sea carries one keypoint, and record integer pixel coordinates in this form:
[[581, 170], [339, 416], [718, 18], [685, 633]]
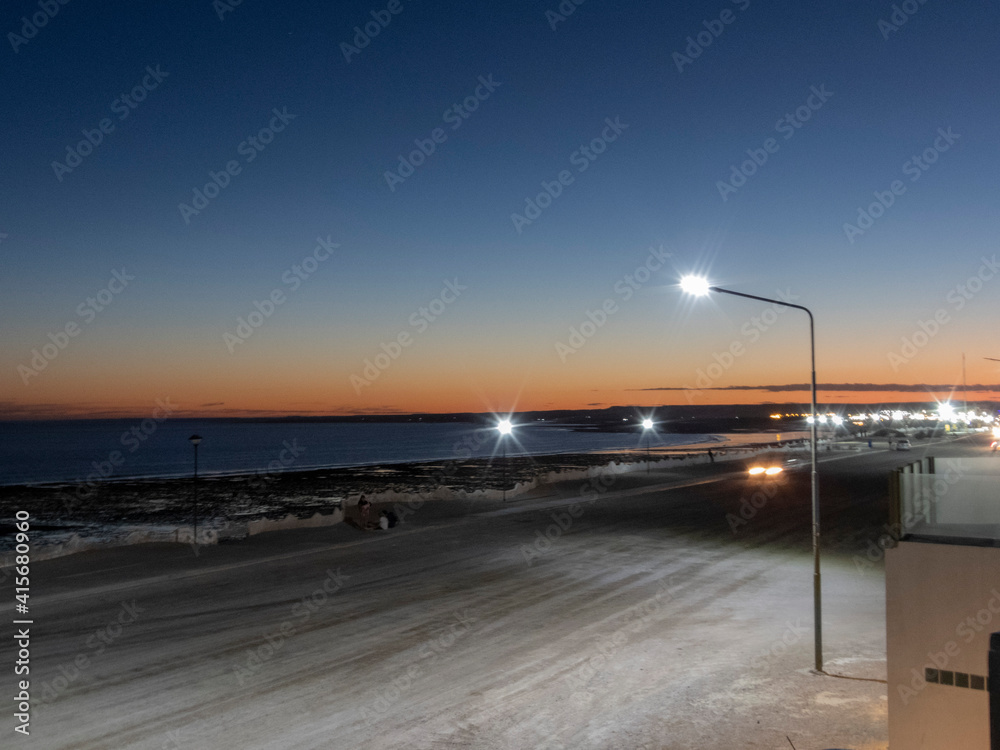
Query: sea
[[107, 449]]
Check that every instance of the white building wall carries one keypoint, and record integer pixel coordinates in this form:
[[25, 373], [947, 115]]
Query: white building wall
[[942, 603]]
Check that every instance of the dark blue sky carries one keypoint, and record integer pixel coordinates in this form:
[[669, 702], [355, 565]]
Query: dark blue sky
[[656, 184]]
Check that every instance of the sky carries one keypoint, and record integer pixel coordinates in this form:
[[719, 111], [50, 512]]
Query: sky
[[354, 207]]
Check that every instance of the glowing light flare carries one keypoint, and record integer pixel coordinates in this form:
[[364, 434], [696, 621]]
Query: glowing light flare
[[696, 285], [504, 427], [647, 423]]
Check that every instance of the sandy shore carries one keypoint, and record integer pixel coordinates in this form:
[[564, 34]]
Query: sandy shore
[[79, 516]]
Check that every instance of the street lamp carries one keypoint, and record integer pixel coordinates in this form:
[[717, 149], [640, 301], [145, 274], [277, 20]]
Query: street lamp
[[647, 425], [700, 287], [504, 427], [195, 440]]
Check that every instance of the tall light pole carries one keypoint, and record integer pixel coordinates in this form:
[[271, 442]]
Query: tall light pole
[[700, 287], [504, 427], [647, 425], [195, 440]]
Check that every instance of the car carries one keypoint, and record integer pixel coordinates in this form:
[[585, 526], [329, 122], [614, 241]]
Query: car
[[899, 444], [771, 465]]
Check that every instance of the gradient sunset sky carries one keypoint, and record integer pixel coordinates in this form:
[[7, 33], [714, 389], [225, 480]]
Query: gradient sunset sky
[[822, 106]]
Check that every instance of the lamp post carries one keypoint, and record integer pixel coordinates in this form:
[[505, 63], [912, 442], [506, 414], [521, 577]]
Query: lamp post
[[195, 440], [504, 427], [700, 287], [647, 425]]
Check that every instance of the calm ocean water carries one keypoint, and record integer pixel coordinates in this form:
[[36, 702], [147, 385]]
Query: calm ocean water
[[68, 451]]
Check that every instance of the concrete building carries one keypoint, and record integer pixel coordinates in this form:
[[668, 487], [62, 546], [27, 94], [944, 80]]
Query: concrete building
[[942, 579]]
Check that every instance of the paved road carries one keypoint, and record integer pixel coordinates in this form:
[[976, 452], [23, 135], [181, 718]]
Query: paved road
[[659, 612]]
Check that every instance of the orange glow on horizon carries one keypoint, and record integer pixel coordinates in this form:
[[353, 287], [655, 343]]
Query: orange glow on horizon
[[197, 401]]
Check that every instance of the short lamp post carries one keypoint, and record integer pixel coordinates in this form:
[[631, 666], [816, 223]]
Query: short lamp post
[[504, 427], [647, 425], [195, 440], [700, 287]]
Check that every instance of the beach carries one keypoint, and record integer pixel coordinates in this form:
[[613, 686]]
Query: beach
[[69, 517]]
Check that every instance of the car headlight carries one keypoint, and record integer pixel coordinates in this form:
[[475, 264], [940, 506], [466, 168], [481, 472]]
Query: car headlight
[[772, 471], [756, 470]]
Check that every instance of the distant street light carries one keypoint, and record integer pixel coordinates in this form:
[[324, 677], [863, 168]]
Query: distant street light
[[647, 425], [504, 427], [195, 440], [700, 287]]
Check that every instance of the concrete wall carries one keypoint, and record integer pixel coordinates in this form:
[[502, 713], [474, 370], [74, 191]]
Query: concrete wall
[[942, 603]]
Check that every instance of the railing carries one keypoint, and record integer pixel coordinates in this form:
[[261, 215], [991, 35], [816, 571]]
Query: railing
[[954, 500]]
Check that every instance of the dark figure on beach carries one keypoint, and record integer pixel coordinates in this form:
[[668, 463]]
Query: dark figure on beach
[[389, 518], [364, 511], [363, 520], [711, 456]]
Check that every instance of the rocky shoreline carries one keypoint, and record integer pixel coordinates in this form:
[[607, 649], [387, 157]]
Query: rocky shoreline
[[134, 510]]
